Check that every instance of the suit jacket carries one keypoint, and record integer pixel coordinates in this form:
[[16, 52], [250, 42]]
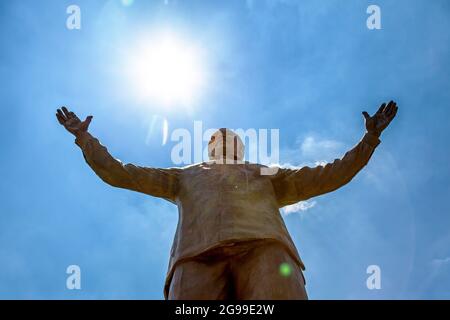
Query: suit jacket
[[220, 204]]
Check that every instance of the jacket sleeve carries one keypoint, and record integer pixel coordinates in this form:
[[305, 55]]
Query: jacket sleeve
[[292, 186], [156, 182]]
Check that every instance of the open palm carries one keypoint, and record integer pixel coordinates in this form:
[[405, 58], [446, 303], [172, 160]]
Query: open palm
[[381, 119], [71, 122]]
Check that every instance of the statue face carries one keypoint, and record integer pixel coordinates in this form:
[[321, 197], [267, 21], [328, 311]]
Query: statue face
[[225, 144]]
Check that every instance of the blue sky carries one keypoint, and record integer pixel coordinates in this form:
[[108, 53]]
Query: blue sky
[[307, 68]]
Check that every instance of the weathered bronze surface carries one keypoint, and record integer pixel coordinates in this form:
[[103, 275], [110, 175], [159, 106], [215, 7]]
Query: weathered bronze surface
[[230, 233]]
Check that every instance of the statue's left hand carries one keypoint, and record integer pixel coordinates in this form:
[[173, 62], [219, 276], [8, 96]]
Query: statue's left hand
[[380, 120]]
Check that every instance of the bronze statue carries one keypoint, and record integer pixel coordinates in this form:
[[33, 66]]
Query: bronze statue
[[231, 240]]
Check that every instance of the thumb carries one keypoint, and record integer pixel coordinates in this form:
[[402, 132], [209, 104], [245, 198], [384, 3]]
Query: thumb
[[366, 115], [88, 119], [87, 122]]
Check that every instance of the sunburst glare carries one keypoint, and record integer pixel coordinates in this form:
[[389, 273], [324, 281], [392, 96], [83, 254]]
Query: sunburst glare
[[167, 70]]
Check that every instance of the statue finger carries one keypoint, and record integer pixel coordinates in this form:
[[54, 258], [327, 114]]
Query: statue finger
[[394, 112], [66, 112], [60, 119], [388, 110], [366, 115], [88, 120], [61, 114], [380, 110]]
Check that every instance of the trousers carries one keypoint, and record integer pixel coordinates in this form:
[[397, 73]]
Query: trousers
[[249, 270]]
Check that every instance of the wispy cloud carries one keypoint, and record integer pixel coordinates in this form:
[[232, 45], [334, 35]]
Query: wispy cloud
[[317, 149], [440, 262], [298, 207], [311, 150]]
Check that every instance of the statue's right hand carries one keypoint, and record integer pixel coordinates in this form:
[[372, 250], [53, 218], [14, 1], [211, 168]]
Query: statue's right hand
[[71, 122]]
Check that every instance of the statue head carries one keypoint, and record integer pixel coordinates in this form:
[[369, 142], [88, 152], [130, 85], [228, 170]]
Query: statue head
[[225, 144]]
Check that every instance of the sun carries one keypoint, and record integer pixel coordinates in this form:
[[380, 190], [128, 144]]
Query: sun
[[167, 70]]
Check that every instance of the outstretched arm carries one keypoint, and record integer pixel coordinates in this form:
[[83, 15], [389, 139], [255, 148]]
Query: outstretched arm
[[292, 186], [152, 181]]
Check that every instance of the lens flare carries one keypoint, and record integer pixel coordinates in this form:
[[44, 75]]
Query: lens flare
[[285, 269]]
